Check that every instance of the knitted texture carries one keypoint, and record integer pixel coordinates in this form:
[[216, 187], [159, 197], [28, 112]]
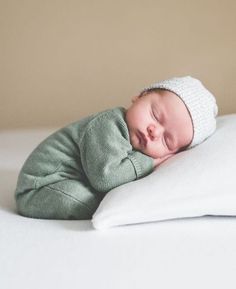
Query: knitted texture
[[199, 101], [70, 170]]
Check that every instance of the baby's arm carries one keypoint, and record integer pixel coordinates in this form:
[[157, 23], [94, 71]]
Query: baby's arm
[[108, 158]]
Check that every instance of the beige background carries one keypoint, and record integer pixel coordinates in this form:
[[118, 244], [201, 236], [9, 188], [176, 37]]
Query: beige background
[[62, 60]]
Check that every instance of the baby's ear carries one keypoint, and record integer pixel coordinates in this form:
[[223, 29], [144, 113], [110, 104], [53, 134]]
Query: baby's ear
[[134, 98]]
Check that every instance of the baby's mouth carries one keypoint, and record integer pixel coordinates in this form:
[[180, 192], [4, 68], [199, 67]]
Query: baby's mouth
[[142, 139]]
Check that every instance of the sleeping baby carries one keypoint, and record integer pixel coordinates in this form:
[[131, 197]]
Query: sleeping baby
[[68, 174]]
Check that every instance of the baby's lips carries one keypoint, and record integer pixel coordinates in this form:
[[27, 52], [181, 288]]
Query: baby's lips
[[143, 138]]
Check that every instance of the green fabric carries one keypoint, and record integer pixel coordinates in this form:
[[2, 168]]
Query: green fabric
[[69, 173]]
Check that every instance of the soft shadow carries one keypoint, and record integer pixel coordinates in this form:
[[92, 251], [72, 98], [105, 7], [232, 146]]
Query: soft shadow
[[77, 225], [7, 190]]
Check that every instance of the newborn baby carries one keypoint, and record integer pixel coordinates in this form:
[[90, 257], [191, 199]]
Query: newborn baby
[[69, 173]]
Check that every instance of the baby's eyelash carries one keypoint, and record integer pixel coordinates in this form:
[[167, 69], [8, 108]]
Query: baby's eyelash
[[155, 116], [166, 142]]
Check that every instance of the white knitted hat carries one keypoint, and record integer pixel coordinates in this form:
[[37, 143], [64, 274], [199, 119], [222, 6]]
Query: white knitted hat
[[200, 103]]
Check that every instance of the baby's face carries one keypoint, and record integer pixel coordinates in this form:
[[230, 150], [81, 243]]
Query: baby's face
[[159, 124]]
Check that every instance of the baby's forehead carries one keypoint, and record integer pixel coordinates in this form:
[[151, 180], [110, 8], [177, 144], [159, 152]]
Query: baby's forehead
[[166, 99], [158, 91]]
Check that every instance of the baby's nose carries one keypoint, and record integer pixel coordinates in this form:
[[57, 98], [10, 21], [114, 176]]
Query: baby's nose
[[154, 132]]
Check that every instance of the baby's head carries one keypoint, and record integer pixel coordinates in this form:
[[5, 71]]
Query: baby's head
[[170, 116]]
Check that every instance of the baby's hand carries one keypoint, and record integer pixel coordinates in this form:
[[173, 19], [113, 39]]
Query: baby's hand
[[158, 161]]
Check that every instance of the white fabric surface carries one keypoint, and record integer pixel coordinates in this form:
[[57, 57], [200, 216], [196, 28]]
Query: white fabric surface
[[197, 182], [188, 253]]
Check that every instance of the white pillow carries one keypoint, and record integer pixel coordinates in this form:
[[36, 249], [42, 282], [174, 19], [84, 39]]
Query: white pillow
[[196, 182]]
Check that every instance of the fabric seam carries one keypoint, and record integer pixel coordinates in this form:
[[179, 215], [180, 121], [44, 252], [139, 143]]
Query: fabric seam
[[54, 189]]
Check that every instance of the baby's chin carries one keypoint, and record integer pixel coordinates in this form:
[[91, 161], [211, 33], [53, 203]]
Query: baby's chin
[[154, 154], [151, 154], [148, 153]]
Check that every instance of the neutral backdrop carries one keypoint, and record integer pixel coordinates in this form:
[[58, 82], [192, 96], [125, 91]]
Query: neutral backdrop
[[62, 60]]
